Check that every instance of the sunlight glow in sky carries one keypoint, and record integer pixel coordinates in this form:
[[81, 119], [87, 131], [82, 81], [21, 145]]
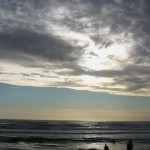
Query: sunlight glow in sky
[[99, 46], [55, 44]]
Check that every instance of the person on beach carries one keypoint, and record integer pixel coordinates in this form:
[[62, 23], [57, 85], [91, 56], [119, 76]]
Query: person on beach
[[106, 147], [113, 141], [129, 145]]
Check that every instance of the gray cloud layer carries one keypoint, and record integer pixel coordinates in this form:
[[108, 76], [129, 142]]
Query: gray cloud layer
[[96, 45]]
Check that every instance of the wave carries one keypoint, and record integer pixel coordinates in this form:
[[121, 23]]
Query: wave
[[62, 140]]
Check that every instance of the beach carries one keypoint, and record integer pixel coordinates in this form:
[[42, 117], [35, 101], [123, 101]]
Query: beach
[[72, 135]]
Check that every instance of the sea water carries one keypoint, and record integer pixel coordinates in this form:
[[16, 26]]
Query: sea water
[[72, 135]]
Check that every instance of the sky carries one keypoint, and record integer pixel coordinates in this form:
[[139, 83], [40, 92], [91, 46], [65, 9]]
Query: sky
[[75, 60]]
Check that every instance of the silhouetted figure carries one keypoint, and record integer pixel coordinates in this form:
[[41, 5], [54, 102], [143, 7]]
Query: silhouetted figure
[[113, 141], [106, 147], [129, 145]]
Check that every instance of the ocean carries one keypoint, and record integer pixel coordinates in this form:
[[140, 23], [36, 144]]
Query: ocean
[[72, 135]]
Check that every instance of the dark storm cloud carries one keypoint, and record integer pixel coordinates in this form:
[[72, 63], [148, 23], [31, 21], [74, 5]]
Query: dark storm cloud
[[56, 34], [32, 43]]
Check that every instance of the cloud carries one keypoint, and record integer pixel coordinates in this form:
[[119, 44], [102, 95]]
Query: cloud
[[35, 44], [96, 45]]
